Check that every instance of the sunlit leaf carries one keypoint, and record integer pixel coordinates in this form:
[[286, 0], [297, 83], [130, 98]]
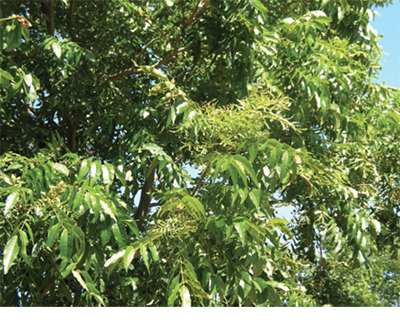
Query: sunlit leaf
[[11, 201], [10, 253]]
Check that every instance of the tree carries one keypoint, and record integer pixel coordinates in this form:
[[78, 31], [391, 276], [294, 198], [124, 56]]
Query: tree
[[272, 101]]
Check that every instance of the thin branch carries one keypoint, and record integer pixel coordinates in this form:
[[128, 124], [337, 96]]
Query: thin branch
[[145, 48], [367, 185], [133, 69], [179, 159], [321, 254], [158, 204], [195, 10], [88, 37], [154, 40], [45, 290], [203, 175], [204, 7], [200, 181], [194, 16], [167, 58]]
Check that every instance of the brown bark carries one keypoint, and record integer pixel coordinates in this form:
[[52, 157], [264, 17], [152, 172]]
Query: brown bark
[[71, 21], [71, 128], [145, 198], [49, 15]]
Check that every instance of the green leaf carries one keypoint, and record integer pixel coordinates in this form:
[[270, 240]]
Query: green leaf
[[99, 253], [255, 197], [169, 3], [248, 167], [233, 174], [240, 170], [14, 37], [173, 290], [66, 243], [5, 74], [80, 239], [25, 34], [259, 6], [154, 252], [28, 79], [78, 277], [111, 171], [241, 228], [246, 277], [194, 206], [128, 257], [118, 230], [24, 242], [56, 49], [115, 259], [253, 151], [53, 234], [278, 285], [108, 208], [272, 236], [284, 165], [11, 201], [10, 253], [89, 55], [83, 171], [105, 229], [185, 296], [16, 87], [145, 256], [106, 175], [61, 168]]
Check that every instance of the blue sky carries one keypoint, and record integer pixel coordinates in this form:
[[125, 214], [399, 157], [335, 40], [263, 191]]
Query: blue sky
[[388, 25]]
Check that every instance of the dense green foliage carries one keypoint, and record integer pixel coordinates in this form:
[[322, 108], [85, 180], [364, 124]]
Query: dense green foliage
[[272, 101]]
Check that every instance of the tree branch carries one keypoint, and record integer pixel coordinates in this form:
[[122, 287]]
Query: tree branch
[[45, 290], [158, 204], [154, 40], [133, 69], [71, 129], [200, 181], [204, 7], [145, 198], [203, 175], [50, 17], [71, 21]]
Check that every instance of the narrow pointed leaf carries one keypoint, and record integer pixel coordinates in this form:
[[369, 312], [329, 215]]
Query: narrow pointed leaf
[[66, 243], [185, 296], [11, 201], [10, 253], [24, 242], [145, 256]]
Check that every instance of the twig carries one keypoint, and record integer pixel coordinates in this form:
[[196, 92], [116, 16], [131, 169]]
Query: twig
[[179, 159], [200, 181], [203, 175], [158, 204], [133, 69]]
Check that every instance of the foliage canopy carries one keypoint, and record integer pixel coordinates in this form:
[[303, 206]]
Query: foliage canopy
[[271, 101]]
